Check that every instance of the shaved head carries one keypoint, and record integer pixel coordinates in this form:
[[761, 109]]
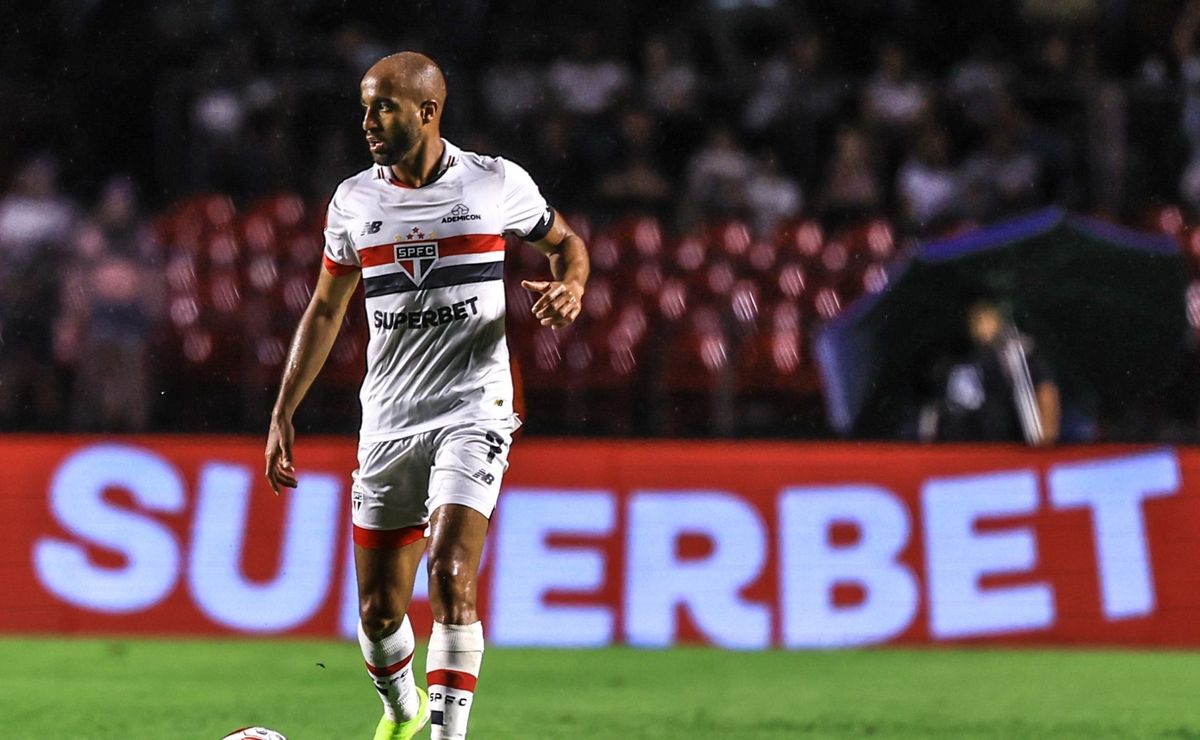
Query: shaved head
[[412, 73], [403, 95]]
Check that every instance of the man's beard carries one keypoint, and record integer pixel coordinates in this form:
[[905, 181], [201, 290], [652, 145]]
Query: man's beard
[[395, 147]]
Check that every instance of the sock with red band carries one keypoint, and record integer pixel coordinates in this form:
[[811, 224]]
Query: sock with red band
[[452, 667], [389, 664]]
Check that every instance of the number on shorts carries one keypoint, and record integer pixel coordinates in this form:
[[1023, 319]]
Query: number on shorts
[[497, 445]]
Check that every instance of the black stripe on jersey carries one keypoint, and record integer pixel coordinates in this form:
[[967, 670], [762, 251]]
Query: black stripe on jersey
[[442, 277]]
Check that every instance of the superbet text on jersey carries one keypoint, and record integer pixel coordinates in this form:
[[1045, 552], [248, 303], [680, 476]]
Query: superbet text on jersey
[[432, 262]]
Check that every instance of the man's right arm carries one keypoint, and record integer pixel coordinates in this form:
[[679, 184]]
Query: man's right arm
[[310, 347]]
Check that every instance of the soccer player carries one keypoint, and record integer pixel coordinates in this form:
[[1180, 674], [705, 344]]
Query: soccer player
[[423, 229]]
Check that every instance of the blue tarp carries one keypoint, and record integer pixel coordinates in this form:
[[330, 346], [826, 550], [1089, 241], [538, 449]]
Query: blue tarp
[[844, 349]]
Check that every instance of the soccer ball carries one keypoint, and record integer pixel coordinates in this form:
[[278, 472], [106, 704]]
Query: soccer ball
[[254, 733]]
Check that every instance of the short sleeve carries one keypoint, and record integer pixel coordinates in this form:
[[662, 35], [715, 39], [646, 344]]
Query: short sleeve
[[340, 255], [526, 212]]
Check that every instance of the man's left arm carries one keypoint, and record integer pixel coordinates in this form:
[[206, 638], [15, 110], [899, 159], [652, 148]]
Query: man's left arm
[[1050, 409], [1046, 395], [560, 300]]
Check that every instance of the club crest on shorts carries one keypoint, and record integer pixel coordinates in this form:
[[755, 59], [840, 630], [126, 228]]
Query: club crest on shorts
[[416, 259]]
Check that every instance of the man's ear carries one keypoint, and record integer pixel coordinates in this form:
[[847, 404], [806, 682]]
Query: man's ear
[[429, 110]]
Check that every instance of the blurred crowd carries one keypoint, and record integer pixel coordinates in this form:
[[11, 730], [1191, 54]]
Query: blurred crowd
[[766, 111]]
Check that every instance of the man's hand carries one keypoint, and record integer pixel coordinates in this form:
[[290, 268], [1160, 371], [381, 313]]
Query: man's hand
[[280, 471], [559, 304]]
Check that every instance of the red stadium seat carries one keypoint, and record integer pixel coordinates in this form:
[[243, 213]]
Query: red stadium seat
[[719, 279], [544, 373], [605, 254], [834, 260], [644, 233], [774, 363], [286, 211], [519, 304], [182, 272], [1169, 220], [881, 240], [222, 250], [1191, 248], [183, 310], [525, 259], [304, 250], [598, 299], [868, 242], [684, 388], [581, 224], [184, 233], [225, 293], [197, 346], [296, 289], [762, 257], [218, 210], [673, 300], [827, 302], [270, 352], [262, 274], [744, 307], [347, 359], [775, 377], [648, 278], [791, 281], [695, 354], [691, 254], [1192, 301], [786, 315], [259, 233], [874, 278], [733, 239], [806, 241]]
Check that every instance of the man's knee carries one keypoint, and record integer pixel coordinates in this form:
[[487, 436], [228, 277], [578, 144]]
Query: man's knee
[[380, 615], [452, 587]]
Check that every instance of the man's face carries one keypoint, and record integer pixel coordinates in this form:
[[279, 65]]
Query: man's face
[[391, 120], [984, 324]]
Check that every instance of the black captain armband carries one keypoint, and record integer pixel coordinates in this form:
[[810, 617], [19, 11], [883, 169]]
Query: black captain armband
[[543, 226]]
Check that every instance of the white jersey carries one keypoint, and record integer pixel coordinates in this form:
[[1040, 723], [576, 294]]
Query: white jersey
[[432, 261]]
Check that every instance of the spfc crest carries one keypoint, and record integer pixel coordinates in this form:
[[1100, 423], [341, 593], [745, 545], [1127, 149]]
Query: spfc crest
[[416, 259]]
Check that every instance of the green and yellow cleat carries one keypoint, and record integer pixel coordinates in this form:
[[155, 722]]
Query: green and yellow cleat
[[389, 730]]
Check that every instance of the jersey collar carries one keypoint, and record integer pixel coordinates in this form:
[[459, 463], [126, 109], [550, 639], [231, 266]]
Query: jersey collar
[[450, 157]]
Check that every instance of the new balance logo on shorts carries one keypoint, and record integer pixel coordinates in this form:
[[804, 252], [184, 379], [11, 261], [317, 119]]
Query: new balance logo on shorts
[[484, 476]]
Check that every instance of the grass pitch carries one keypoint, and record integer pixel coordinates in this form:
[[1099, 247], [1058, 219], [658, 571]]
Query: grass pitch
[[310, 690]]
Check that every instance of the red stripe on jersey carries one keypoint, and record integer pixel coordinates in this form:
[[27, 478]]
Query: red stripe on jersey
[[387, 539], [452, 246], [337, 268], [451, 680], [448, 246], [391, 669]]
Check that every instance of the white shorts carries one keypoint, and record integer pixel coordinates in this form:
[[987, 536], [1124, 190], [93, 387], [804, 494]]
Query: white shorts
[[400, 482]]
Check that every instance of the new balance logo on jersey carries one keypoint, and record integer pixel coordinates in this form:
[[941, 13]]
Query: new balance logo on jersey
[[460, 213], [416, 259], [484, 476], [370, 227]]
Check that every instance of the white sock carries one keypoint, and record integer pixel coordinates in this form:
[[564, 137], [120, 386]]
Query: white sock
[[452, 667], [389, 666]]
